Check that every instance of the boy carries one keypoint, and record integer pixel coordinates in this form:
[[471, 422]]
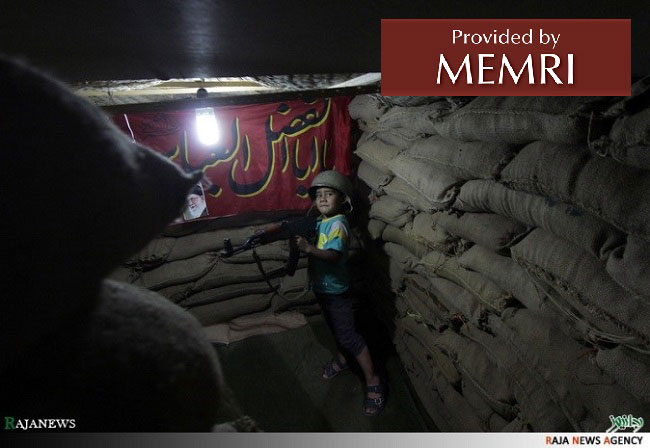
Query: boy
[[331, 192]]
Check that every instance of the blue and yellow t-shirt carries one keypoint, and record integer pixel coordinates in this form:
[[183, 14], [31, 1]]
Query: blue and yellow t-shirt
[[331, 278]]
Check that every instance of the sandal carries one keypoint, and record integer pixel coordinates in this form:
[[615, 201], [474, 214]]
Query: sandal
[[372, 407], [330, 371]]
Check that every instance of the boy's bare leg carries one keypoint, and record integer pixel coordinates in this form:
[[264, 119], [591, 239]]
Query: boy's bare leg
[[365, 362], [372, 379]]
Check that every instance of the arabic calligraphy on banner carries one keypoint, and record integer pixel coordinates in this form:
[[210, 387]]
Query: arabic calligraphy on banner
[[267, 154]]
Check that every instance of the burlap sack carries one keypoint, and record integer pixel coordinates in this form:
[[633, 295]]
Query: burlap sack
[[153, 254], [373, 177], [565, 221], [518, 119], [367, 109], [400, 190], [457, 412], [630, 140], [400, 262], [582, 277], [376, 228], [418, 306], [378, 154], [629, 266], [227, 274], [395, 235], [464, 160], [490, 230], [420, 119], [492, 421], [178, 272], [611, 191], [430, 180], [424, 231], [532, 393], [586, 395], [488, 293], [458, 301], [474, 365], [420, 375], [391, 211], [504, 272], [227, 310], [630, 369], [400, 138], [225, 292]]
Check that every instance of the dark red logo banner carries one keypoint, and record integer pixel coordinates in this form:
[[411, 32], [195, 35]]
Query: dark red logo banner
[[506, 57], [265, 157]]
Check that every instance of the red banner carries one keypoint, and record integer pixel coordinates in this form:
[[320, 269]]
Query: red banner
[[506, 57], [265, 157]]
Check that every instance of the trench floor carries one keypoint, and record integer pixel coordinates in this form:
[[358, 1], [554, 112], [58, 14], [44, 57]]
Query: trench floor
[[276, 379]]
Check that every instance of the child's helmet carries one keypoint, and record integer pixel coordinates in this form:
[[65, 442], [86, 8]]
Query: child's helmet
[[332, 179]]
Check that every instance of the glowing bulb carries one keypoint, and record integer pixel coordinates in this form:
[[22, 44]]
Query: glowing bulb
[[206, 126]]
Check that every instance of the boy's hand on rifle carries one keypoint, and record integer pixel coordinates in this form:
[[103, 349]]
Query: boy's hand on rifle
[[302, 244]]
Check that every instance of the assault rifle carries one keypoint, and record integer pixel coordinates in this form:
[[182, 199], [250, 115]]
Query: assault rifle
[[287, 229]]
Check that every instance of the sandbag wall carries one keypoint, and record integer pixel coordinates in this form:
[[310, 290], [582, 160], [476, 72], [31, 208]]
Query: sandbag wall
[[231, 297], [513, 235]]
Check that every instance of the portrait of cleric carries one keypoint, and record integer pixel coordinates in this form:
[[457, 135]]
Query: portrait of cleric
[[195, 206]]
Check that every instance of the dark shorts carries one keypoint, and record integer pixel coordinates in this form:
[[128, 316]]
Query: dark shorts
[[339, 313]]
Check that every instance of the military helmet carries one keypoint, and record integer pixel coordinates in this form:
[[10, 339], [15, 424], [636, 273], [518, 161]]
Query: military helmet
[[332, 179]]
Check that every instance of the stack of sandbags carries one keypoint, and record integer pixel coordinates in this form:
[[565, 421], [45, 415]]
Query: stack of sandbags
[[190, 271], [507, 231]]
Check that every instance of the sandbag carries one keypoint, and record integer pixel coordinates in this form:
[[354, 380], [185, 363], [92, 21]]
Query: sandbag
[[490, 230], [565, 221], [504, 272], [531, 392], [488, 293], [227, 274], [252, 325], [420, 374], [464, 160], [178, 272], [402, 191], [227, 310], [391, 211], [155, 253], [457, 300], [430, 180], [400, 261], [197, 243], [474, 365], [367, 109], [376, 228], [435, 375], [629, 266], [418, 118], [400, 138], [492, 421], [419, 306], [424, 231], [519, 119], [395, 235], [615, 193], [631, 370], [377, 153], [628, 141], [582, 278], [373, 177], [587, 396], [222, 293]]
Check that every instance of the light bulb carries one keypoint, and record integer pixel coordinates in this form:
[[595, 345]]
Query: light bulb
[[206, 126]]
